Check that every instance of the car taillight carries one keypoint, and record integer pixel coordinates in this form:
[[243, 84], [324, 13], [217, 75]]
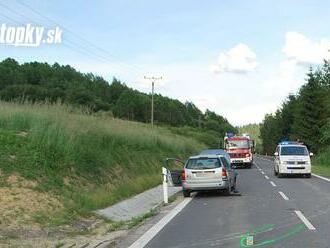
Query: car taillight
[[183, 175], [247, 155], [224, 173]]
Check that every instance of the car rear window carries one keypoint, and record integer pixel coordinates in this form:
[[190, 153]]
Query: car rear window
[[203, 163], [294, 150]]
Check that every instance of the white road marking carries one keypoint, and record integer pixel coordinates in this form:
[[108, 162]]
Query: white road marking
[[265, 159], [266, 177], [304, 220], [272, 183], [263, 173], [147, 236], [324, 178], [283, 195]]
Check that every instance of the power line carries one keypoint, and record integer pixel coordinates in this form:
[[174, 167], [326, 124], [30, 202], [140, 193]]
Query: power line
[[9, 18], [72, 45], [75, 45], [32, 21], [132, 66]]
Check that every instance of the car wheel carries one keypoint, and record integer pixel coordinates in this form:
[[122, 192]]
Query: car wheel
[[308, 175], [186, 193], [279, 175]]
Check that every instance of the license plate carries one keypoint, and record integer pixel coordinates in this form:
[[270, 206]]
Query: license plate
[[238, 161], [205, 174]]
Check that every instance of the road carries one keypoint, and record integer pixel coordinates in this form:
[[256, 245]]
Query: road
[[277, 212]]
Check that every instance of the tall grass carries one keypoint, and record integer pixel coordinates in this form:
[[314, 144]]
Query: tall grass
[[88, 161], [321, 163]]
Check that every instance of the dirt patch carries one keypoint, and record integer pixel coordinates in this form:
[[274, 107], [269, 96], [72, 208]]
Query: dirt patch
[[16, 181], [20, 203]]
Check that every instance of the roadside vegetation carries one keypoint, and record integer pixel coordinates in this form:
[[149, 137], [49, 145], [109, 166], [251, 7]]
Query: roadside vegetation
[[254, 131], [63, 163], [304, 116], [72, 143]]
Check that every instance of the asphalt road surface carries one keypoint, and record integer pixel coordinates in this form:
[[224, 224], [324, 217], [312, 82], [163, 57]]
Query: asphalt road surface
[[274, 212]]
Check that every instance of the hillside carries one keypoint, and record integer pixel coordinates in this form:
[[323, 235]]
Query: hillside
[[58, 164], [42, 82]]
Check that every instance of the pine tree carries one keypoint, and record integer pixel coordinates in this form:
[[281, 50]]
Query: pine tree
[[308, 119]]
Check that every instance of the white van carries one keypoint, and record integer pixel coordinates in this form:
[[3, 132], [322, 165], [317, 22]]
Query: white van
[[292, 158]]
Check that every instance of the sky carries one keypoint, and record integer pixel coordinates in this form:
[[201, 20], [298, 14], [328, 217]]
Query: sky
[[240, 59]]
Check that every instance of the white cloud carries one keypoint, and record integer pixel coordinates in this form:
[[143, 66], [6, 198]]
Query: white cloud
[[282, 80], [239, 59], [305, 51], [288, 76]]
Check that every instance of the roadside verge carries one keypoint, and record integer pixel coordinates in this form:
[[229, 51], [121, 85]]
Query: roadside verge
[[137, 205]]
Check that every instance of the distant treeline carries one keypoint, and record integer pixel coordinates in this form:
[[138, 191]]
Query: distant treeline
[[38, 82], [253, 129], [304, 116]]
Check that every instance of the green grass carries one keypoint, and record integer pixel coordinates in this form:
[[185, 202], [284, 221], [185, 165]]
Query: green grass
[[87, 161], [321, 163], [321, 170], [210, 138]]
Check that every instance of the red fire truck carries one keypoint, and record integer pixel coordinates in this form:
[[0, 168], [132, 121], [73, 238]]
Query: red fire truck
[[239, 149]]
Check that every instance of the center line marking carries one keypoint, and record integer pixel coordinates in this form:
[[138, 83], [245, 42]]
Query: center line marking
[[266, 177], [304, 220], [272, 183], [263, 173], [283, 195]]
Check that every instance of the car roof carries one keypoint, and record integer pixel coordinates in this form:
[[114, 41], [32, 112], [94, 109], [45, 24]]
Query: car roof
[[216, 152], [213, 152], [206, 156], [292, 145]]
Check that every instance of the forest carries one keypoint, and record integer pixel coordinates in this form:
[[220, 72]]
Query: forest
[[304, 116]]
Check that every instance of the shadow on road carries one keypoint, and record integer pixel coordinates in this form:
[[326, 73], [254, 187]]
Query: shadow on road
[[292, 176], [214, 193]]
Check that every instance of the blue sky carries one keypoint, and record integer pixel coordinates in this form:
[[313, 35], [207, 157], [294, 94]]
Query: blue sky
[[237, 58]]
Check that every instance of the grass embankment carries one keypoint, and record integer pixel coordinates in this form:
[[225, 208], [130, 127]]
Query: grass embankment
[[321, 164], [72, 163]]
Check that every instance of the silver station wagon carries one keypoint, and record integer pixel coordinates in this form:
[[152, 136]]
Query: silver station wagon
[[208, 172]]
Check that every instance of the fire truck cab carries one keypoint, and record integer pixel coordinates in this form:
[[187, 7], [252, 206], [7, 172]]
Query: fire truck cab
[[239, 149]]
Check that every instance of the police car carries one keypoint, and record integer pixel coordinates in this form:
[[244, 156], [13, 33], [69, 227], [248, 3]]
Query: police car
[[292, 158]]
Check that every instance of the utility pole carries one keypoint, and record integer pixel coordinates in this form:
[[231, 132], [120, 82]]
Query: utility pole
[[153, 80]]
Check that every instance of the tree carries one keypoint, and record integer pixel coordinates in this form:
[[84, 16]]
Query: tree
[[308, 117]]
